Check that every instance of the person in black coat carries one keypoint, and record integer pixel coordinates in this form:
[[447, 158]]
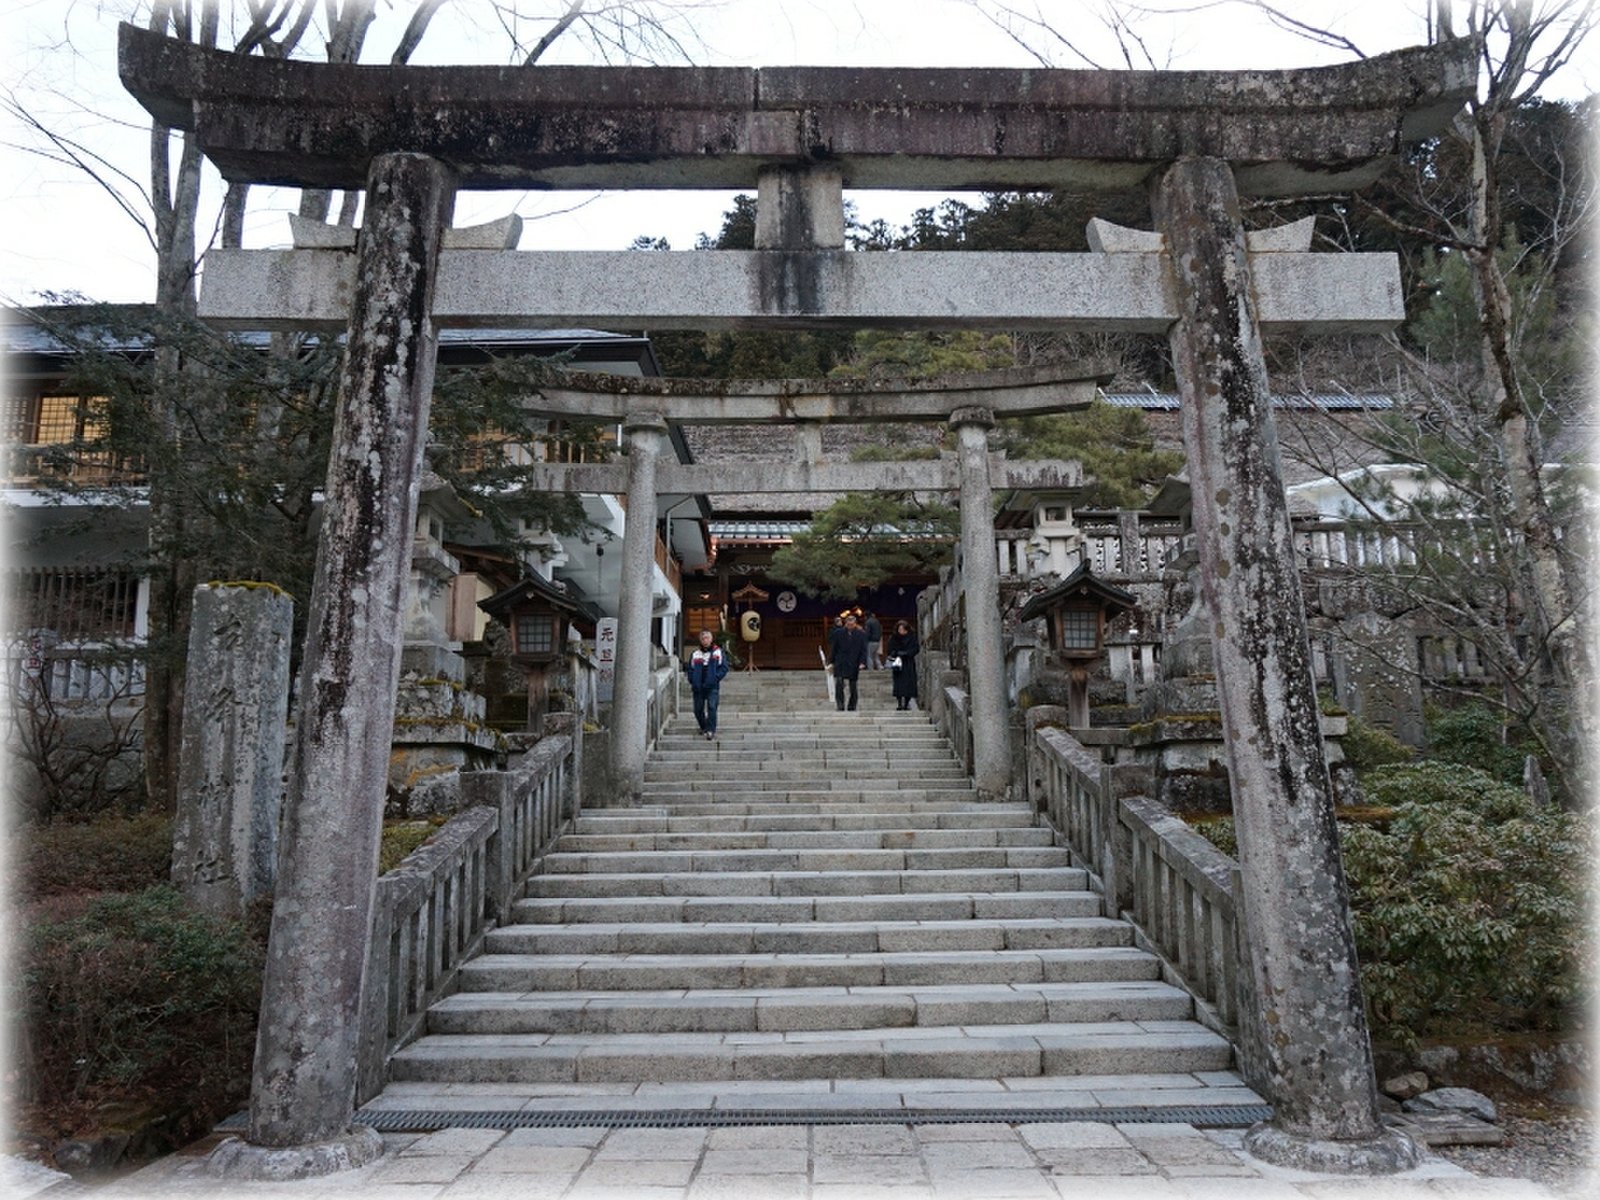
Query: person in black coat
[[903, 651], [847, 647]]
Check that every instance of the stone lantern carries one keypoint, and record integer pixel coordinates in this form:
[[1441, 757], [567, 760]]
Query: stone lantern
[[1076, 612], [537, 613]]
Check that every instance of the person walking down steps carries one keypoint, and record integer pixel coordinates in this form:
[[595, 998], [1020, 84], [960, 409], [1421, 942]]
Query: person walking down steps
[[707, 665], [874, 629], [847, 647], [903, 651]]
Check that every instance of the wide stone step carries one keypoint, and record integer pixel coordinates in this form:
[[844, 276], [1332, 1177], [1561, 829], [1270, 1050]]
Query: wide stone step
[[662, 820], [705, 861], [812, 799], [953, 906], [846, 839], [785, 1010], [650, 972], [806, 937], [719, 756], [781, 774], [810, 883], [958, 1052], [690, 738]]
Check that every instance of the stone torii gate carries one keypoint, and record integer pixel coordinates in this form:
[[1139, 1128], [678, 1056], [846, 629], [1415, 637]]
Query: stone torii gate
[[1198, 140], [968, 404]]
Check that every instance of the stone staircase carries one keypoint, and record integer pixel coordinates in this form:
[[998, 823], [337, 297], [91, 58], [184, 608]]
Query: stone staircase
[[813, 912]]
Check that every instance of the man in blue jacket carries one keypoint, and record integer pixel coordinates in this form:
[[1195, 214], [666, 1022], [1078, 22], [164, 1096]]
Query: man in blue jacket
[[849, 646], [707, 666]]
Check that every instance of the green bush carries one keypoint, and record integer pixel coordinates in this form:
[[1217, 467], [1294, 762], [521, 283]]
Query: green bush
[[1469, 908], [112, 854], [1476, 735], [1366, 746], [135, 991], [1468, 903], [1446, 785]]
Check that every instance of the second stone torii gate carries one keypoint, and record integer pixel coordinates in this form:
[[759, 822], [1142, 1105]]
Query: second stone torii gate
[[968, 404], [1197, 140]]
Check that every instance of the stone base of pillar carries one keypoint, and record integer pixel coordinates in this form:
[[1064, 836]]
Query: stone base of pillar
[[241, 1160], [1389, 1153]]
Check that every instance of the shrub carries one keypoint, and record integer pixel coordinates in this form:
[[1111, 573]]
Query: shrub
[[1469, 908], [136, 990], [112, 854], [1446, 785], [1366, 746], [1468, 904], [1475, 735]]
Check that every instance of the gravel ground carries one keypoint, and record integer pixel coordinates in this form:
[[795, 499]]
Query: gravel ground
[[1555, 1150]]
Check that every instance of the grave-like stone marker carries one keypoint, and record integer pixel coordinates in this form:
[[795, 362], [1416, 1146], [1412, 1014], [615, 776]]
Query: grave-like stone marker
[[1379, 674], [230, 773]]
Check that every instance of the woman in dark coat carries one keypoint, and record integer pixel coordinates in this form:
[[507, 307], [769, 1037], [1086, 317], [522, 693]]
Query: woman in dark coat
[[902, 659]]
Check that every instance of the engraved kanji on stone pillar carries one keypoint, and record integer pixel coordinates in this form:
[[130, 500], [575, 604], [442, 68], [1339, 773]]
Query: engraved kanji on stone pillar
[[230, 773]]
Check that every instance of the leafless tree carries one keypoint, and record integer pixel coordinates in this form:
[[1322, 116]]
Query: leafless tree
[[168, 209]]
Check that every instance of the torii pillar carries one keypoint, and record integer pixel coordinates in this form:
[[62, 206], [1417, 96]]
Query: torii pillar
[[1310, 1029], [302, 1095], [980, 585], [630, 707]]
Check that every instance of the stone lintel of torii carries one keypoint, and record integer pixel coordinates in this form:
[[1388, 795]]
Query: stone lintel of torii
[[759, 478], [1198, 141]]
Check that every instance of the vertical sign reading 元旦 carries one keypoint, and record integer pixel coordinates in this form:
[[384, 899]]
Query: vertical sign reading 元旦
[[605, 650]]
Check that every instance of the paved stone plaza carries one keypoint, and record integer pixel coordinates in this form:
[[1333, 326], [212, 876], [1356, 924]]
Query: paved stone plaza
[[893, 1162]]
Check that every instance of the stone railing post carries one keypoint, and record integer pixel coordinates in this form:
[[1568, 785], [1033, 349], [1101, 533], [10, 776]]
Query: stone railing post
[[1294, 902], [630, 704], [991, 751], [303, 1091], [570, 725]]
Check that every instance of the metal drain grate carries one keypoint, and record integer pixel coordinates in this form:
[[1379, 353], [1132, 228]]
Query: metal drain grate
[[1218, 1116]]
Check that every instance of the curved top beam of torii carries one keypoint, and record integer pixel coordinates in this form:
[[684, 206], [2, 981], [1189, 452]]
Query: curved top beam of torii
[[319, 125]]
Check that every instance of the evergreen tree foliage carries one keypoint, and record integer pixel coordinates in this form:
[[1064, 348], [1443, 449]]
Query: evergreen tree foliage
[[864, 540], [1121, 466]]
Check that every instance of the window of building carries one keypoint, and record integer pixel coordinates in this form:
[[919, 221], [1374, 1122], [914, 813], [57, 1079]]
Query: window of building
[[77, 605]]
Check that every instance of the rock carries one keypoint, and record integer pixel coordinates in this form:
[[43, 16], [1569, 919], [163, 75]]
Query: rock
[[91, 1153], [1454, 1099], [20, 1177], [1406, 1086]]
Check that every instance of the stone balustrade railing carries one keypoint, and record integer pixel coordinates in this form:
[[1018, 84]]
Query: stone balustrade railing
[[956, 722], [1176, 887], [432, 910]]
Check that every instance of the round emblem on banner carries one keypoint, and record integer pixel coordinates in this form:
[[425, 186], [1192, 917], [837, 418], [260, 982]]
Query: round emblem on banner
[[786, 601]]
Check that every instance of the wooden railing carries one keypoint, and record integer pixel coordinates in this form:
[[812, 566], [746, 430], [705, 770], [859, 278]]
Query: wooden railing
[[432, 911]]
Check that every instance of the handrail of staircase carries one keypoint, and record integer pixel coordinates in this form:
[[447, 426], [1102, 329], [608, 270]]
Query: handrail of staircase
[[1176, 888], [663, 702], [433, 909]]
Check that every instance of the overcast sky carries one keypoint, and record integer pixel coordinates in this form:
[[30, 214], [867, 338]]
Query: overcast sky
[[66, 233]]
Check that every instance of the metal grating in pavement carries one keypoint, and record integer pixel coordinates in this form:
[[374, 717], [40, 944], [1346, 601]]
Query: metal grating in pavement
[[1217, 1116]]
